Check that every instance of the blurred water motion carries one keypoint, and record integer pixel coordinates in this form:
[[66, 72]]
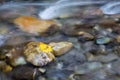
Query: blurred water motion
[[13, 10], [111, 8], [59, 8], [67, 8]]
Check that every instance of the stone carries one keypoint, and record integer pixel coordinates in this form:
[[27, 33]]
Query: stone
[[115, 16], [115, 67], [117, 50], [4, 29], [59, 65], [93, 13], [85, 36], [61, 48], [17, 37], [74, 30], [90, 57], [16, 57], [22, 73], [70, 60], [88, 67], [107, 23], [76, 43], [4, 67], [58, 74], [38, 53], [103, 40], [107, 58], [99, 74], [2, 55], [42, 70], [3, 39], [102, 58], [118, 39], [116, 29], [41, 78], [35, 26]]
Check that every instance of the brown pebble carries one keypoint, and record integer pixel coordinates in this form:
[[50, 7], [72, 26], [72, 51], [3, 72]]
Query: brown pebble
[[86, 36], [34, 25], [61, 48]]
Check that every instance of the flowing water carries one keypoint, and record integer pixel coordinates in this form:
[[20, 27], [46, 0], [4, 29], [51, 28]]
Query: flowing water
[[73, 16]]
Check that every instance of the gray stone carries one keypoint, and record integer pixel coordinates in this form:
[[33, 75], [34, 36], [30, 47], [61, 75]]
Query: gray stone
[[107, 58], [88, 67]]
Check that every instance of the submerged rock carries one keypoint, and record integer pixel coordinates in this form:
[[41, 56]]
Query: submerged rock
[[61, 48], [102, 58], [18, 39], [42, 70], [15, 57], [70, 60], [85, 36], [38, 53], [103, 40], [118, 39], [107, 58], [4, 29], [76, 29], [4, 67], [23, 73], [2, 54], [88, 67], [107, 23], [3, 38], [115, 67], [35, 26], [99, 74], [58, 74], [90, 57]]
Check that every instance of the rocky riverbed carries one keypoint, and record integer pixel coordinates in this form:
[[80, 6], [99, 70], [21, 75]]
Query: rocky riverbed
[[85, 47]]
